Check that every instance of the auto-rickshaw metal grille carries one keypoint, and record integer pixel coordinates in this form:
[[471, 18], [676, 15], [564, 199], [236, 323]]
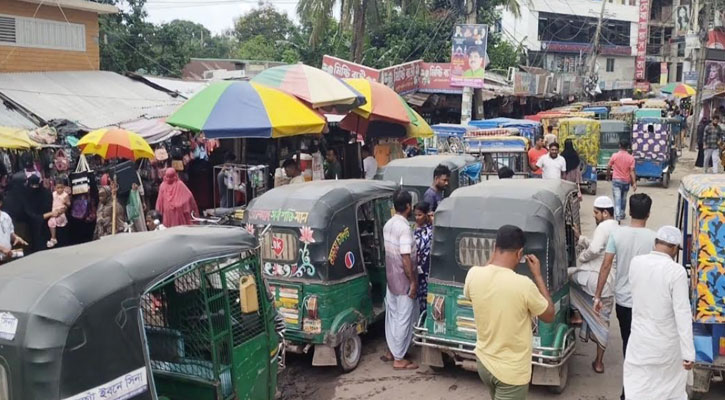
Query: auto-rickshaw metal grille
[[193, 319]]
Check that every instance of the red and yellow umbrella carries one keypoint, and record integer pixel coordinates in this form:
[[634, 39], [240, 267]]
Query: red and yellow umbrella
[[679, 90], [385, 113], [115, 143]]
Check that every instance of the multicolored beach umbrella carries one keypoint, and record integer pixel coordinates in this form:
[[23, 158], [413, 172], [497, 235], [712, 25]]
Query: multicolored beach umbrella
[[384, 114], [115, 143], [234, 109], [311, 85], [678, 89]]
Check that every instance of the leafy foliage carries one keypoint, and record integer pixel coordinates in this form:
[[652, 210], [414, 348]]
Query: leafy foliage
[[393, 32]]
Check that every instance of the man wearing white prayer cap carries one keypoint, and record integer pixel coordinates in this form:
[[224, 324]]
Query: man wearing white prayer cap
[[661, 348], [584, 280]]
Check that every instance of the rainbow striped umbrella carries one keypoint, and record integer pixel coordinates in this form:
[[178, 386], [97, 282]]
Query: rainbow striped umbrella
[[115, 143], [246, 110], [311, 85], [678, 89]]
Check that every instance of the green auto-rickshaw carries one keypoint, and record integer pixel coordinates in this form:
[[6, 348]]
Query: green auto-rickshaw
[[611, 132], [415, 174], [324, 260], [465, 230], [177, 314]]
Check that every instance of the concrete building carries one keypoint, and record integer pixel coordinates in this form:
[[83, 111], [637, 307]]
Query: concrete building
[[667, 51], [58, 35], [558, 35]]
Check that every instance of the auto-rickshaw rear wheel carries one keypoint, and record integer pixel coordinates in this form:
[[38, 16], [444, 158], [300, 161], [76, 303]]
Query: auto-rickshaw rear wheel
[[349, 352], [666, 180], [563, 380]]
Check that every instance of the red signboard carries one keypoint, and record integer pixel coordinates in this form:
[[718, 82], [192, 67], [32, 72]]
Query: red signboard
[[348, 69], [642, 86], [436, 78], [642, 30], [403, 78]]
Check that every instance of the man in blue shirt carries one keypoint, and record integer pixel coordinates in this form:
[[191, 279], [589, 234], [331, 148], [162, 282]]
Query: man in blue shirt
[[434, 194]]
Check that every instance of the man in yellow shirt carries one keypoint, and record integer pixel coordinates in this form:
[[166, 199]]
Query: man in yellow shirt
[[503, 304]]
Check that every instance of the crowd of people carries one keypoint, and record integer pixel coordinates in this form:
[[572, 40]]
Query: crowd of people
[[619, 269]]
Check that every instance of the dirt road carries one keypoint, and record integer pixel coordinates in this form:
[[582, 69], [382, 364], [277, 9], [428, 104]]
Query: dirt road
[[374, 379]]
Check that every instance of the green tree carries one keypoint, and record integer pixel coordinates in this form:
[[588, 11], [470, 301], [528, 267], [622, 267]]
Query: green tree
[[123, 39], [265, 21], [261, 48]]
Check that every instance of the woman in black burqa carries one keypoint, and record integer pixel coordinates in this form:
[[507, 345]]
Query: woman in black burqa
[[30, 204]]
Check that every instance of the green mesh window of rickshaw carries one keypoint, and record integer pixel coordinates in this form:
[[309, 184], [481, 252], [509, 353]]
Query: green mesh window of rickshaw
[[280, 246], [193, 319], [610, 138]]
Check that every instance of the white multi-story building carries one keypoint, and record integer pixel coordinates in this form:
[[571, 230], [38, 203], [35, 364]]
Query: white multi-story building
[[558, 36]]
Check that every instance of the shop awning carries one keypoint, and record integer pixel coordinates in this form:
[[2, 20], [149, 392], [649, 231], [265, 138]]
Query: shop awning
[[416, 98]]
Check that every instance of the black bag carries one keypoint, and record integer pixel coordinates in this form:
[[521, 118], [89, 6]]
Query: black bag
[[125, 175]]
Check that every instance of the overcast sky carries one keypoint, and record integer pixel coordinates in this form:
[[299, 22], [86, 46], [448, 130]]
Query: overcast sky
[[216, 15]]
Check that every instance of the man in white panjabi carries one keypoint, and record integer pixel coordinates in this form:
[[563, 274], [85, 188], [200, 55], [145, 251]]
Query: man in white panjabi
[[584, 280], [661, 348]]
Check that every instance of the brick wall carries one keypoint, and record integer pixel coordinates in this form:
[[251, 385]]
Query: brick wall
[[25, 59]]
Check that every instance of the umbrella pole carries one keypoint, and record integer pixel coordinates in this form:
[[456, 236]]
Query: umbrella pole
[[113, 206]]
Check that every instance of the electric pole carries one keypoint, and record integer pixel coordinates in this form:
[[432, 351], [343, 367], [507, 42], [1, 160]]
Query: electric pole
[[702, 53], [595, 49]]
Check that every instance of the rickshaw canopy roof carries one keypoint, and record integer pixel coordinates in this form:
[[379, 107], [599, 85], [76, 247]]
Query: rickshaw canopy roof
[[497, 144], [599, 109], [418, 170], [314, 204], [490, 204], [702, 186], [650, 120], [60, 283], [612, 125], [452, 129], [624, 109]]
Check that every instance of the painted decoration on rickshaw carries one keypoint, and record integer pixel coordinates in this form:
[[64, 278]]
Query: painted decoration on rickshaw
[[707, 193], [710, 273], [585, 135], [650, 146], [283, 247]]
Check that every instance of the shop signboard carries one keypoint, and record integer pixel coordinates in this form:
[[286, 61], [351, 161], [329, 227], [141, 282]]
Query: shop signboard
[[524, 84], [436, 78], [468, 55], [622, 85], [566, 47], [690, 77], [642, 31], [716, 39], [642, 86], [664, 73], [403, 78], [348, 69]]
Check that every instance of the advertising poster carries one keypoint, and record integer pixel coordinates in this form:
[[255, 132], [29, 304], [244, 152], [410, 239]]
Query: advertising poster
[[682, 20], [468, 55], [714, 78]]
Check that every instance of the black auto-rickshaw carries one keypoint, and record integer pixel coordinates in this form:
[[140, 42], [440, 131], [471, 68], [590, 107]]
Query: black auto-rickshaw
[[415, 174], [178, 314], [324, 260], [465, 231]]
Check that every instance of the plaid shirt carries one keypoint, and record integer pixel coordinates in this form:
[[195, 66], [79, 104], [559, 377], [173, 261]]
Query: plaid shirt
[[713, 135]]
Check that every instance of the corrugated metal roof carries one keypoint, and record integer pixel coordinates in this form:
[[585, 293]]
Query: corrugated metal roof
[[14, 119], [93, 99]]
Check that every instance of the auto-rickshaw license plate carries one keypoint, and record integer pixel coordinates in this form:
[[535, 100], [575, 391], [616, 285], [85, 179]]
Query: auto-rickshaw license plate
[[312, 325]]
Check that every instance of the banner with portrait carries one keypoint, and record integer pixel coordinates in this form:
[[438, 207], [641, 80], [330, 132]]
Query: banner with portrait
[[683, 20], [714, 78], [468, 55]]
